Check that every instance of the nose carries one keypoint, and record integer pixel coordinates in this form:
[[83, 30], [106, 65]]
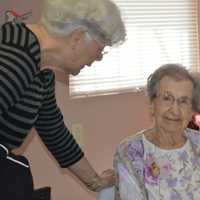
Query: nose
[[99, 57], [175, 108]]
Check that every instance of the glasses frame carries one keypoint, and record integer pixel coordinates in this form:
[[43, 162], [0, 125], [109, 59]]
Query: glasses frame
[[168, 99]]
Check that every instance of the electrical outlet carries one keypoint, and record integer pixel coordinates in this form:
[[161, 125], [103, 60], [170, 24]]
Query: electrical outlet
[[78, 133]]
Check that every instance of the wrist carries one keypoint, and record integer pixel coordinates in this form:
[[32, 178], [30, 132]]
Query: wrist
[[96, 184]]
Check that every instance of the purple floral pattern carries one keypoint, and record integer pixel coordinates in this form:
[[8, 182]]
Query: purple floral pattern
[[178, 172], [167, 175], [151, 177], [135, 155], [135, 151]]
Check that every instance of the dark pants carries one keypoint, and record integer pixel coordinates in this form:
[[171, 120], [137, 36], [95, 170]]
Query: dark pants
[[16, 181]]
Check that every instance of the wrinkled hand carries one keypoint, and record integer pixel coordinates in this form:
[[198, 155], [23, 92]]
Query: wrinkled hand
[[108, 178], [99, 182]]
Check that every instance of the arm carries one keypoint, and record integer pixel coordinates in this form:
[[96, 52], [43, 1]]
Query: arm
[[61, 143], [84, 171], [128, 187]]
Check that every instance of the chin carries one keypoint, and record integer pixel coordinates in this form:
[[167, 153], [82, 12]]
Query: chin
[[74, 73]]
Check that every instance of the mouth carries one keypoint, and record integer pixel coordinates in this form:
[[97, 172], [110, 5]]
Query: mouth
[[74, 73], [81, 67], [77, 71], [173, 119], [89, 64]]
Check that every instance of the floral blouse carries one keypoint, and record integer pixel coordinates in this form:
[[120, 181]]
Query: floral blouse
[[146, 172]]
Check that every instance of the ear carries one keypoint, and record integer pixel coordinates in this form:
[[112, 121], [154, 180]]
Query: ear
[[151, 107], [77, 37], [193, 113]]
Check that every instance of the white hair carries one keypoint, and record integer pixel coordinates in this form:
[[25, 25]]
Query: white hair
[[102, 18]]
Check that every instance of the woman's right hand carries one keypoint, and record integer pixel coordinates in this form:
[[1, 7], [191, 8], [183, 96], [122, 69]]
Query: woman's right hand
[[108, 178]]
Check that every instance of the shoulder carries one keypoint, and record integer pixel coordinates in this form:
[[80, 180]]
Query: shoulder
[[17, 39], [132, 139], [193, 136], [130, 154], [131, 146], [16, 34]]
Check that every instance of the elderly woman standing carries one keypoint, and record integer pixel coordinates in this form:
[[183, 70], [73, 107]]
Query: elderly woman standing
[[163, 162], [72, 34]]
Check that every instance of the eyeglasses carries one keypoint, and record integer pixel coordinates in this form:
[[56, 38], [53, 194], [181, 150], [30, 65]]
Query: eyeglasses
[[168, 100], [103, 49]]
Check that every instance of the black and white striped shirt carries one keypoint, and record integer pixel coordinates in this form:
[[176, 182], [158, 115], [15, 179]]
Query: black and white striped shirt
[[27, 96]]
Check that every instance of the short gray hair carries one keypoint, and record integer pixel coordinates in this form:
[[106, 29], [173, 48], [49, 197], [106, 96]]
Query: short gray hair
[[177, 72], [101, 17]]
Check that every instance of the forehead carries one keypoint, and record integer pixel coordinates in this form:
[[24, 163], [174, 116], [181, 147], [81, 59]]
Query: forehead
[[183, 87]]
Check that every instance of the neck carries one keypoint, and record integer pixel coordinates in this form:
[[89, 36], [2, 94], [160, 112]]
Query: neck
[[61, 76], [166, 140]]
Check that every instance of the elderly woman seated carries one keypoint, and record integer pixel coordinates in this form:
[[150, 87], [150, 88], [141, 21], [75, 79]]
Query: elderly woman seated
[[163, 162]]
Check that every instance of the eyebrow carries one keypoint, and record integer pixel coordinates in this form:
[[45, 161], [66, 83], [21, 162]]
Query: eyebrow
[[169, 93]]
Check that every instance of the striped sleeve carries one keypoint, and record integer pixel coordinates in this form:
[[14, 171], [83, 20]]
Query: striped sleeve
[[15, 76], [54, 133]]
